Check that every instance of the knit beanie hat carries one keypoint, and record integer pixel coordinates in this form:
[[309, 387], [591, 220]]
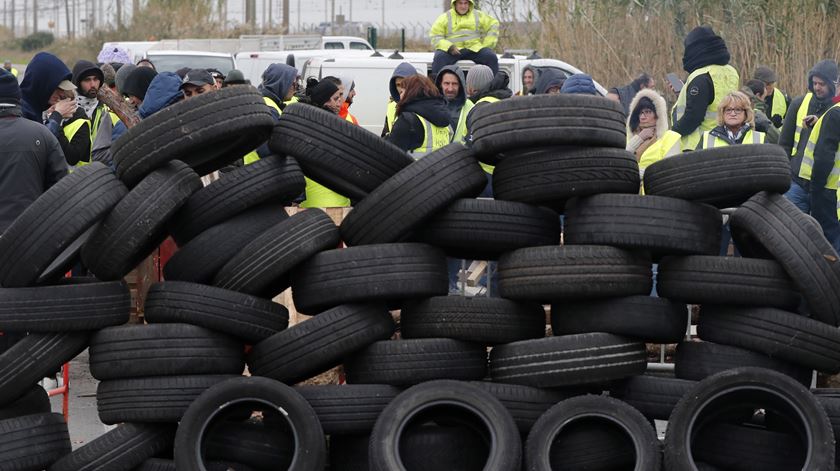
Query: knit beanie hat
[[138, 82], [9, 88], [108, 74], [320, 92], [122, 75], [765, 74], [703, 48], [579, 84], [479, 78]]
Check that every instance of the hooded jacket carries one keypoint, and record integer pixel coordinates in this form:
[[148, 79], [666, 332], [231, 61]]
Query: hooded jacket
[[276, 82], [84, 69], [548, 78], [137, 83], [163, 91], [634, 142], [40, 80], [826, 70], [450, 29], [579, 84], [498, 88], [536, 73], [402, 71], [408, 133], [457, 104]]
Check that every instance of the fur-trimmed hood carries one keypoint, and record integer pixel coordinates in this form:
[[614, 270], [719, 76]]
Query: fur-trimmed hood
[[662, 125]]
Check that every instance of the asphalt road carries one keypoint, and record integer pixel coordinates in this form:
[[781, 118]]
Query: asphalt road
[[83, 423]]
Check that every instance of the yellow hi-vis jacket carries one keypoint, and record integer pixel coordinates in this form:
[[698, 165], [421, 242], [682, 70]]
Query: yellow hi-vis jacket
[[725, 79], [473, 31]]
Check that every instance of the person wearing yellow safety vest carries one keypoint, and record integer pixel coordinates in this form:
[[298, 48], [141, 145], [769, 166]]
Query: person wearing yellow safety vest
[[483, 88], [396, 87], [324, 94], [451, 84], [776, 101], [710, 78], [736, 124], [464, 33], [647, 123], [278, 87], [8, 66], [821, 163], [755, 90], [422, 124], [88, 79], [802, 116]]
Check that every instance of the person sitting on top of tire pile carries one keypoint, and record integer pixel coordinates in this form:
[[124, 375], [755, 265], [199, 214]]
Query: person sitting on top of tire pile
[[464, 33]]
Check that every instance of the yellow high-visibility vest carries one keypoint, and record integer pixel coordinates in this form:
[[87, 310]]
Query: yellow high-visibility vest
[[669, 145], [801, 113], [725, 79], [779, 104], [474, 31], [710, 141], [488, 99], [807, 167], [435, 137], [390, 116], [70, 131]]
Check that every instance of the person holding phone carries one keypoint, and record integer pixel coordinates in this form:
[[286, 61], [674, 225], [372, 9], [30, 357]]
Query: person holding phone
[[802, 116]]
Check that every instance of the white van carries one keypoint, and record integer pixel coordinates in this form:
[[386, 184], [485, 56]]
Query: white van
[[372, 76], [253, 64], [171, 61]]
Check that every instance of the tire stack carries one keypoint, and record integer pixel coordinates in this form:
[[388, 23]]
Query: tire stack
[[775, 309]]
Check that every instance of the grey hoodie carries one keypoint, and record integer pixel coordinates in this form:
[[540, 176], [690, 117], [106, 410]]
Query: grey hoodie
[[457, 104], [548, 78], [402, 71], [826, 70], [276, 81]]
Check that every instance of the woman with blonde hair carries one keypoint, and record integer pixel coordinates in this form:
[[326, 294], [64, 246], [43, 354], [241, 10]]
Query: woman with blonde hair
[[736, 124]]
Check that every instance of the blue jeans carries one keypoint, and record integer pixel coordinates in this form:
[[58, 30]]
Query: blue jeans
[[799, 197], [485, 56]]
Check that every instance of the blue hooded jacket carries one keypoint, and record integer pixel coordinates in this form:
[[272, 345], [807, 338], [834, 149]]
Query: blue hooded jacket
[[276, 81], [580, 84], [42, 76], [402, 71], [164, 90]]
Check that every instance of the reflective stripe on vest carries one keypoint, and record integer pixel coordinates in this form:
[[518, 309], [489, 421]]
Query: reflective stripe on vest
[[251, 157], [710, 141], [801, 113], [461, 131], [779, 104], [70, 131], [436, 137], [807, 168], [488, 99], [391, 115], [725, 79], [319, 196], [464, 34]]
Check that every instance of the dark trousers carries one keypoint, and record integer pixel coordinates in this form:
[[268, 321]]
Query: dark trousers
[[824, 210], [485, 56]]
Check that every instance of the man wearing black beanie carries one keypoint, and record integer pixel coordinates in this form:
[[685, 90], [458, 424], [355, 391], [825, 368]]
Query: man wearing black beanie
[[706, 59]]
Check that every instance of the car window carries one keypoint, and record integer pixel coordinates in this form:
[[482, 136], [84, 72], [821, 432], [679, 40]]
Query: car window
[[333, 45], [359, 46], [173, 62]]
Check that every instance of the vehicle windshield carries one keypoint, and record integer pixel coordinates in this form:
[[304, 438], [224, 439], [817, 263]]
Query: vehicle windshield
[[173, 62]]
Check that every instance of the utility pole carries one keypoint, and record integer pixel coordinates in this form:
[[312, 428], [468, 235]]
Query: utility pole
[[67, 13], [119, 14], [286, 16], [270, 12], [13, 24], [135, 9], [332, 17], [351, 10], [383, 15]]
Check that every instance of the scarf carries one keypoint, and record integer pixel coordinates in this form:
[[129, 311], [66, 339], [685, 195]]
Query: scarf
[[87, 104]]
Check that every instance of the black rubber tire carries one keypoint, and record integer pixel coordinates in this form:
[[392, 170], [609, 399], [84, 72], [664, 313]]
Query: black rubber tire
[[702, 279], [152, 399], [33, 358], [71, 307], [348, 409], [697, 361], [404, 202], [206, 132], [390, 272], [488, 321], [484, 411], [262, 267], [137, 224], [349, 452], [653, 396], [663, 226], [341, 156], [647, 319], [567, 361], [525, 404], [831, 405], [592, 445], [780, 334], [729, 446], [485, 229], [552, 176], [33, 442], [256, 444], [724, 177], [34, 401], [318, 344], [798, 245], [245, 317], [122, 449], [538, 121], [414, 361], [54, 221], [539, 447], [275, 179], [135, 351], [545, 274], [157, 464], [753, 388], [311, 451], [201, 258]]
